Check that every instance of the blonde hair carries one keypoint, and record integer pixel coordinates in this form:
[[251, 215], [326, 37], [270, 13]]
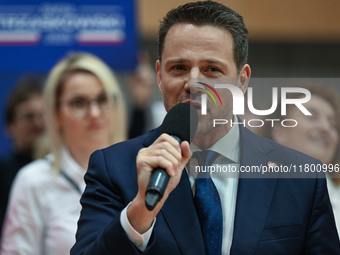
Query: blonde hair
[[74, 63]]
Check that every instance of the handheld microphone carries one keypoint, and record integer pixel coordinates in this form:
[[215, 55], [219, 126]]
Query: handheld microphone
[[181, 123]]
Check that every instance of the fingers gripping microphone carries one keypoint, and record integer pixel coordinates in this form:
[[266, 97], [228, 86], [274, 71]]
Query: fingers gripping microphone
[[181, 123]]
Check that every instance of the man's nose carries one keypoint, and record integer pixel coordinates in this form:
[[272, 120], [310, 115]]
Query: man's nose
[[194, 76], [195, 73], [40, 122]]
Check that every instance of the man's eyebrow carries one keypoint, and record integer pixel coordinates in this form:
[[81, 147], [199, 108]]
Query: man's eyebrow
[[181, 60], [176, 60], [215, 61]]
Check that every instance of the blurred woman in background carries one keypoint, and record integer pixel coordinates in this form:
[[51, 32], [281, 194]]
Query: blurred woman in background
[[84, 111], [317, 135]]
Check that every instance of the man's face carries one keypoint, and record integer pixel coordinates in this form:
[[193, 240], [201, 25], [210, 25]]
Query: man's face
[[192, 51], [28, 123]]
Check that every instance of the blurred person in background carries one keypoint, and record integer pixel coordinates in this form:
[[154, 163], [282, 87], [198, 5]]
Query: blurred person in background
[[84, 111], [141, 85], [24, 125], [316, 135]]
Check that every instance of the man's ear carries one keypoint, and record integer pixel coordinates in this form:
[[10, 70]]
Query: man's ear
[[159, 76], [244, 77]]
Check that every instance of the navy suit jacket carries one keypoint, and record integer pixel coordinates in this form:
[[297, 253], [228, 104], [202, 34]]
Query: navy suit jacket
[[273, 216]]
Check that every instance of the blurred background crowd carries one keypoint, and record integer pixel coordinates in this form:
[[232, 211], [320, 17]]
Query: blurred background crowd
[[93, 93]]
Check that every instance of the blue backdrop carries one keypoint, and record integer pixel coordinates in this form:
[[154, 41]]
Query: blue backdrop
[[35, 34]]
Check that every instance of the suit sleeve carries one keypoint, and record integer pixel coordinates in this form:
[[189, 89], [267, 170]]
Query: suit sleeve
[[99, 228], [322, 237]]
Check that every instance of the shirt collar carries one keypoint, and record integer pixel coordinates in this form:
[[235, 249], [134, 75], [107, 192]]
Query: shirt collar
[[228, 146], [71, 167]]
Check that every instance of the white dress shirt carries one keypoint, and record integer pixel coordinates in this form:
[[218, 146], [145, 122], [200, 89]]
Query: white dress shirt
[[229, 149], [44, 209], [334, 196]]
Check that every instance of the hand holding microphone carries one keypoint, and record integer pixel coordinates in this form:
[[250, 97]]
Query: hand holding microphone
[[155, 164], [181, 123]]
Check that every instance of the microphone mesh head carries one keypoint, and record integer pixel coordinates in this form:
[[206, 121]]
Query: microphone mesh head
[[181, 121]]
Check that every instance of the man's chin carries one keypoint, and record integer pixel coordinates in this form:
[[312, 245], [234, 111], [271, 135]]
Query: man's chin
[[204, 129]]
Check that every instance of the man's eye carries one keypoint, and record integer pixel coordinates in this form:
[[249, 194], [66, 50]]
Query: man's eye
[[178, 68], [214, 69]]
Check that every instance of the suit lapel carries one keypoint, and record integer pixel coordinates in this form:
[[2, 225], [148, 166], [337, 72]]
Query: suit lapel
[[254, 196], [152, 136], [180, 213]]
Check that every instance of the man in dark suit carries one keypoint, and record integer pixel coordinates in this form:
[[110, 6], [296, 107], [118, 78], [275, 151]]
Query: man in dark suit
[[258, 216], [24, 125]]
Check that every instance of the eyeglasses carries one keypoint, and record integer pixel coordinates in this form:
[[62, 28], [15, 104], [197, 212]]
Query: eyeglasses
[[79, 106]]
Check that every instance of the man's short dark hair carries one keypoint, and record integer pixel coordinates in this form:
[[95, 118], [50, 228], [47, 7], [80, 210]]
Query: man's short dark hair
[[25, 88], [213, 14]]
